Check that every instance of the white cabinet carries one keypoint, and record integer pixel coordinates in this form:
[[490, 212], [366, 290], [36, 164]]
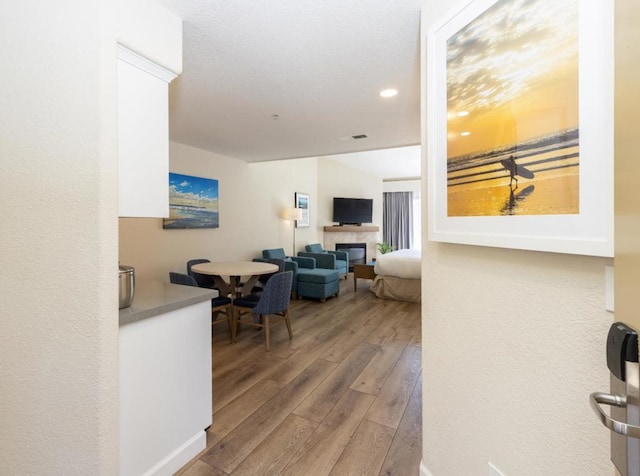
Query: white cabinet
[[165, 390], [143, 136]]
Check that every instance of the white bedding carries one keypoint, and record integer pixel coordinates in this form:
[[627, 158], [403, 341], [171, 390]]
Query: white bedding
[[401, 264]]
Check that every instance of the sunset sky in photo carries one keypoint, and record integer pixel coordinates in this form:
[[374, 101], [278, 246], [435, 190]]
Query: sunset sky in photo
[[514, 72]]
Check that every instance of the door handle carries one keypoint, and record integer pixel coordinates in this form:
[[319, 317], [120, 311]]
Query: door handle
[[600, 398]]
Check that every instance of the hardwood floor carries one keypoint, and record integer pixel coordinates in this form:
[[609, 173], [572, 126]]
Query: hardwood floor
[[343, 397]]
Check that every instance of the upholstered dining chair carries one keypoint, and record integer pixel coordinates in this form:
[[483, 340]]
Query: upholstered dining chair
[[274, 301], [218, 304], [203, 280], [263, 278]]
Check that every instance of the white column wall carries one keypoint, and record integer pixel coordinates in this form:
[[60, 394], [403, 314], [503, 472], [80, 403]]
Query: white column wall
[[59, 318], [513, 343]]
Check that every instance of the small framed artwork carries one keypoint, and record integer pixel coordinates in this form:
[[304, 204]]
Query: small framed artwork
[[520, 126], [302, 202], [193, 203]]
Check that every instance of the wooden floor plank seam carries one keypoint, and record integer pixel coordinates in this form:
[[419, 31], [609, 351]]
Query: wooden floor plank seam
[[342, 398]]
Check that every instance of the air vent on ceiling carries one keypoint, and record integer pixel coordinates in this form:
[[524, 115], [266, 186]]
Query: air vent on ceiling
[[360, 136]]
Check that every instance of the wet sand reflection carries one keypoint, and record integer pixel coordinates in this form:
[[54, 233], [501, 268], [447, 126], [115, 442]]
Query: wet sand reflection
[[541, 178]]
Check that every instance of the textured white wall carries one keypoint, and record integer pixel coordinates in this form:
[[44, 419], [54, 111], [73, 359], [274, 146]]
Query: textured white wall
[[513, 343], [152, 31], [59, 319], [402, 186], [338, 180], [59, 313], [251, 197]]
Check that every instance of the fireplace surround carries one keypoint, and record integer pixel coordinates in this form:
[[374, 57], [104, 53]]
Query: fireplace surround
[[368, 234]]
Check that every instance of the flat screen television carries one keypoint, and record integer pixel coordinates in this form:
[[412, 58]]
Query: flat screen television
[[352, 211]]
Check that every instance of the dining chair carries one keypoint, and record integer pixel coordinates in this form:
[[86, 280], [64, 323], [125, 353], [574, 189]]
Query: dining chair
[[263, 278], [203, 280], [219, 304], [274, 301]]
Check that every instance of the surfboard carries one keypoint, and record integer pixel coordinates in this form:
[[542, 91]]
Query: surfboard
[[519, 169]]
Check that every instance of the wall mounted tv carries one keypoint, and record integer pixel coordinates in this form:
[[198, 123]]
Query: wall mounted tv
[[352, 211]]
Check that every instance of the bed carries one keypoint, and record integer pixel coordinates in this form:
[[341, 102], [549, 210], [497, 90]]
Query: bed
[[398, 276]]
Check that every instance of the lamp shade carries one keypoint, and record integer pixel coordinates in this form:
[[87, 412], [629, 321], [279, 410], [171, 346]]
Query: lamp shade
[[291, 213]]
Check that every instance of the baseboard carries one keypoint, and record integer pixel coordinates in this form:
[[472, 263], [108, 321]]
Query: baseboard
[[423, 470], [180, 456]]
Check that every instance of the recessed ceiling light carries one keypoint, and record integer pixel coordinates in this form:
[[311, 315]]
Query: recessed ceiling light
[[465, 133], [388, 93], [462, 113]]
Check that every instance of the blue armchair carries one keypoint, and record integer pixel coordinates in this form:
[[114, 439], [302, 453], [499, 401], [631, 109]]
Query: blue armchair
[[274, 253], [338, 260], [309, 280], [290, 264]]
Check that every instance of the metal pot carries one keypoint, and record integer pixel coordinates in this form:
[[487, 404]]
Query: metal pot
[[127, 281]]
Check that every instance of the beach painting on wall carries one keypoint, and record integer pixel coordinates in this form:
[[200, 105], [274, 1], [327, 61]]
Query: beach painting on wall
[[512, 139], [193, 202]]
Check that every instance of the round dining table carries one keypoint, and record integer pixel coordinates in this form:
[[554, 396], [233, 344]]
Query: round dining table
[[234, 270]]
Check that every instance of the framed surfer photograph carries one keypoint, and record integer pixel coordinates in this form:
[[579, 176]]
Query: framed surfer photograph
[[519, 126], [193, 203]]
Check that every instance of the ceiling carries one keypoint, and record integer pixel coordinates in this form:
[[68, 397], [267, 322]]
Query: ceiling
[[388, 164], [277, 79]]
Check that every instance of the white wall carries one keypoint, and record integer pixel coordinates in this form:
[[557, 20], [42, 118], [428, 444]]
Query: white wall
[[513, 343], [251, 197], [401, 185], [337, 180], [151, 30], [59, 313]]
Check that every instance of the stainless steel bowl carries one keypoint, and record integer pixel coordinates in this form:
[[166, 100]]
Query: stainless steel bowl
[[127, 282]]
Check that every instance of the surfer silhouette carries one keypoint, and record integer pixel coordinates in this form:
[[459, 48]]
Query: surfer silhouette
[[515, 170], [511, 167]]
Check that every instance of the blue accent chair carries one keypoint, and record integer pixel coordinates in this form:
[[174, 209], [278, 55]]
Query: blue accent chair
[[339, 262], [274, 301], [310, 280]]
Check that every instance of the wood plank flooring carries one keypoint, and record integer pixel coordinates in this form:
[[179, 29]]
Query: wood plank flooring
[[342, 398]]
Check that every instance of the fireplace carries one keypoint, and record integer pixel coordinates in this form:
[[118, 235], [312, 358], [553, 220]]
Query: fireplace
[[357, 252], [350, 235]]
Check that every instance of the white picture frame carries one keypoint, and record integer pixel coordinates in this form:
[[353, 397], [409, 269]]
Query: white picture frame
[[302, 202], [588, 230]]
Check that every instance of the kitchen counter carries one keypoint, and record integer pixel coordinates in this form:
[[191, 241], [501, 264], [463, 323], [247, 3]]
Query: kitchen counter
[[165, 377], [153, 298]]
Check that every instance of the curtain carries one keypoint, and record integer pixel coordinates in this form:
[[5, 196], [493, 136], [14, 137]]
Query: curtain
[[397, 219]]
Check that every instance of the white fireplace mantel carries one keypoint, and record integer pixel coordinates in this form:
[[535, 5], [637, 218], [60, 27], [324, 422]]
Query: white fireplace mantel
[[352, 234]]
